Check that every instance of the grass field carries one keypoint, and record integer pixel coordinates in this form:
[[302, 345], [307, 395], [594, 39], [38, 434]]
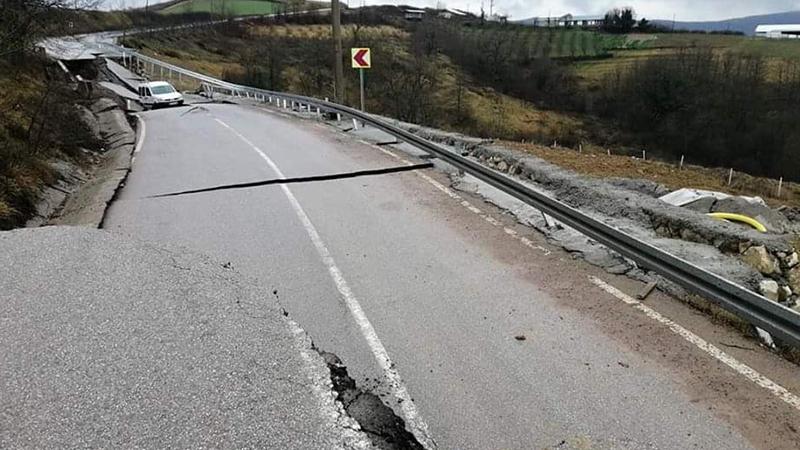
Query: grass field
[[561, 43], [769, 48], [229, 7], [779, 53]]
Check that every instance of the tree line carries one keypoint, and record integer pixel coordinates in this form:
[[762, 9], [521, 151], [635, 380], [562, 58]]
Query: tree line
[[728, 110]]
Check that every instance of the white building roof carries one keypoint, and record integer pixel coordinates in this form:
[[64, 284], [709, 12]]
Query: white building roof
[[778, 28], [582, 18]]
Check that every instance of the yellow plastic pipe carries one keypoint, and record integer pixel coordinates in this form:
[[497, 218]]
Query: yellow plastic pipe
[[740, 218]]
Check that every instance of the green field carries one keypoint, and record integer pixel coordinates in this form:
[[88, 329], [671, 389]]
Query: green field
[[560, 43], [225, 7], [642, 47], [769, 48]]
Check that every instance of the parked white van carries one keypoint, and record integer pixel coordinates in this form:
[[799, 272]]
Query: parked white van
[[159, 93]]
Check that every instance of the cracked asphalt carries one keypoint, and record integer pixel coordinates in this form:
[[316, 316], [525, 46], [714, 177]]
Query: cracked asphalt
[[109, 342], [447, 293]]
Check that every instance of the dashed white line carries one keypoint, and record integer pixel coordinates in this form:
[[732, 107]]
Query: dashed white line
[[452, 194], [739, 367], [410, 413]]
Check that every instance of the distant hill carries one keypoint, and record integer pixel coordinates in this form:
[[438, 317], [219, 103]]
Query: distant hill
[[746, 25]]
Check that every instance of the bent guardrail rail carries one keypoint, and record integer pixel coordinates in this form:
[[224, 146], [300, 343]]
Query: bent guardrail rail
[[780, 321]]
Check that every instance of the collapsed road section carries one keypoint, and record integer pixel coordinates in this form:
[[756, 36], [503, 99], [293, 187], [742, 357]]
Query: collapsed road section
[[111, 342]]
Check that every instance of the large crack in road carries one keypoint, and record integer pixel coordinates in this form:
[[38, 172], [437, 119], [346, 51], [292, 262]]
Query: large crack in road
[[386, 430]]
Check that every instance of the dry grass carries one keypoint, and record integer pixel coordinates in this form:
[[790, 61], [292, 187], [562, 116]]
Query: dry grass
[[324, 31], [595, 162]]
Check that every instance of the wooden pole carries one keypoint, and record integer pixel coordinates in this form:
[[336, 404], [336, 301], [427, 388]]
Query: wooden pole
[[338, 81]]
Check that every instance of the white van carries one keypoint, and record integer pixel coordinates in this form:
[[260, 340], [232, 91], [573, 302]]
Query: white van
[[159, 93]]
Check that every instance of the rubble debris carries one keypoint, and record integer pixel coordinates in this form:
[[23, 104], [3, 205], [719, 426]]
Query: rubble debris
[[770, 289], [647, 290]]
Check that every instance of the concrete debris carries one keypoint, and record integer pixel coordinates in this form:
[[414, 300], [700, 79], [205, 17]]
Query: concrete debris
[[793, 276], [703, 205], [760, 259], [87, 206], [114, 126], [792, 260], [683, 197], [765, 337], [784, 294], [646, 187], [647, 290], [770, 289], [635, 207], [773, 220]]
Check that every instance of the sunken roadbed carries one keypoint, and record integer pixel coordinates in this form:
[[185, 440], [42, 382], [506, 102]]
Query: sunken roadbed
[[107, 341]]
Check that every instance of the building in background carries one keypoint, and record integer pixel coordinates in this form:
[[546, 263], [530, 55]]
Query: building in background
[[565, 21], [787, 31]]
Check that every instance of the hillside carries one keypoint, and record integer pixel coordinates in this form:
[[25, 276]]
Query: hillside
[[698, 96], [224, 7], [746, 25]]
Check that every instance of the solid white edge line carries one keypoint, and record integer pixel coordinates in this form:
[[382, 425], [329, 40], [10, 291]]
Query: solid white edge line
[[411, 415], [739, 367], [142, 135]]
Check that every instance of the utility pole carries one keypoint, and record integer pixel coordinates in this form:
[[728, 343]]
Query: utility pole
[[338, 81]]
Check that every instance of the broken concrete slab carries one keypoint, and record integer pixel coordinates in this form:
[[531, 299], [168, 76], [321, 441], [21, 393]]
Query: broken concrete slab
[[770, 289], [773, 220], [87, 206], [760, 259]]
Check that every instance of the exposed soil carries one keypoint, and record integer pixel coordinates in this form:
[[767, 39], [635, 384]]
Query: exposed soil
[[596, 162]]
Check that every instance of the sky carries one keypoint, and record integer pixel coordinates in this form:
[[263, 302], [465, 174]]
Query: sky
[[654, 9], [683, 10]]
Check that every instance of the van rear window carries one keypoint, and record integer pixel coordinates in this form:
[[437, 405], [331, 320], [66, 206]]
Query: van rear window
[[156, 90]]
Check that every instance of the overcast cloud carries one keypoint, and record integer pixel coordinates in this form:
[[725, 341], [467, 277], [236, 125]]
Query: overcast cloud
[[656, 9], [653, 9]]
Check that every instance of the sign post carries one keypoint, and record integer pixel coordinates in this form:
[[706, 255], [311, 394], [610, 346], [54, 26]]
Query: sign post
[[361, 60]]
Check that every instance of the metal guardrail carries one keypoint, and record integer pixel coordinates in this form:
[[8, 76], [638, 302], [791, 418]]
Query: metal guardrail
[[780, 321]]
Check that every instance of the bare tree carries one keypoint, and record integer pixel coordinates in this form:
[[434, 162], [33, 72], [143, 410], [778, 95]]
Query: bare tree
[[23, 22]]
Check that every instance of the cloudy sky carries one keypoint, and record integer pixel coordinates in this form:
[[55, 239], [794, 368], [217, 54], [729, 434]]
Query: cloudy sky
[[653, 9], [657, 9]]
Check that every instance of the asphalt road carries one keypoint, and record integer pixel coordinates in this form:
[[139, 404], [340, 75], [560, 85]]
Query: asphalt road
[[398, 279], [110, 342]]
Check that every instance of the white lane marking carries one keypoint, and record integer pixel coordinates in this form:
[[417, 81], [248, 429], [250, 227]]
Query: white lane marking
[[142, 135], [332, 410], [410, 413], [452, 194], [740, 368]]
